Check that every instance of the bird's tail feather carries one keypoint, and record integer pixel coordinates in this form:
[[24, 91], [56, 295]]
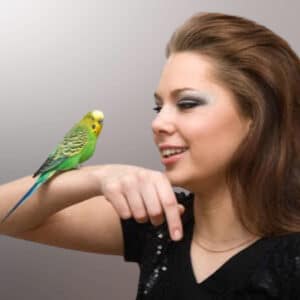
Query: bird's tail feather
[[34, 187]]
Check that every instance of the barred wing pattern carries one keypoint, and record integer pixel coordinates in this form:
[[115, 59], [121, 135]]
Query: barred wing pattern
[[73, 143]]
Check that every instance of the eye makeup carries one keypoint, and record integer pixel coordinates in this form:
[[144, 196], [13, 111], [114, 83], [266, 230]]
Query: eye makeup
[[195, 95], [186, 98]]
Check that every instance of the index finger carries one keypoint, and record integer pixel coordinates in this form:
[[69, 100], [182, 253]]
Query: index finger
[[170, 205]]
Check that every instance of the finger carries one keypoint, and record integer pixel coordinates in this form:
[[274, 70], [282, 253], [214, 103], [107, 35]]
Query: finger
[[120, 204], [152, 203], [181, 209], [136, 204], [170, 207]]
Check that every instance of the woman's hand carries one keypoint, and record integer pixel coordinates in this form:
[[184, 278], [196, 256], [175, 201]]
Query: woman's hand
[[142, 194]]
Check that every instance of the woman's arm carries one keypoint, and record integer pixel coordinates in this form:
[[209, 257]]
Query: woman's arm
[[66, 212], [61, 191], [81, 209], [91, 226]]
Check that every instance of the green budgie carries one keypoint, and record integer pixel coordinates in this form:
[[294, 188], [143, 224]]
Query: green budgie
[[78, 145]]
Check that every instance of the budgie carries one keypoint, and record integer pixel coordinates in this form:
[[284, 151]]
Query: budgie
[[77, 146]]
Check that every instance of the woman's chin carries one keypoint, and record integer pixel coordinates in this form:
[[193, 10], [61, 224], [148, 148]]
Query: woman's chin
[[177, 179]]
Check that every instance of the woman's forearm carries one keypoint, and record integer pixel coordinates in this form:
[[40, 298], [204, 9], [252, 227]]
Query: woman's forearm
[[61, 191]]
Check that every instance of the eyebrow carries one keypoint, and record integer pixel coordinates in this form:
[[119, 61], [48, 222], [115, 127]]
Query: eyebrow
[[174, 93]]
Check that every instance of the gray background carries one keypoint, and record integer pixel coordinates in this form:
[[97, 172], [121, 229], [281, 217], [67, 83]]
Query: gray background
[[60, 59]]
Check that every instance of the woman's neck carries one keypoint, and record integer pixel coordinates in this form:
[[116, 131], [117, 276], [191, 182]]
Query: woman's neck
[[216, 223]]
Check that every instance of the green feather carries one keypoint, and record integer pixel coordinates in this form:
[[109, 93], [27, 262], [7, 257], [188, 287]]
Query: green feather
[[77, 146]]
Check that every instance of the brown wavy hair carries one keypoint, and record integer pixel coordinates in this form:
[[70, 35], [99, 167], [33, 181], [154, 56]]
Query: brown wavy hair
[[263, 72]]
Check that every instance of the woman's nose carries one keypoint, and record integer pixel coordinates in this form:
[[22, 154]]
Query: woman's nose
[[163, 123]]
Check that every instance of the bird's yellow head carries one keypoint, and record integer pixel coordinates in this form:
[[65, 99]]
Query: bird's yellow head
[[94, 119]]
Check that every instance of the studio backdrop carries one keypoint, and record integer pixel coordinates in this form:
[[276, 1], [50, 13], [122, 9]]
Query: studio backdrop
[[62, 58]]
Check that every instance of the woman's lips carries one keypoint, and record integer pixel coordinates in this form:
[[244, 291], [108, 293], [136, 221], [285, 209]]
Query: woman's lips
[[173, 158]]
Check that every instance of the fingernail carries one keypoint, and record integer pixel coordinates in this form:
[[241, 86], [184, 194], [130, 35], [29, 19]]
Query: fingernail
[[177, 235]]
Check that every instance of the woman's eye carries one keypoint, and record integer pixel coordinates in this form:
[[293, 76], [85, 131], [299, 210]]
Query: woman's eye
[[157, 108], [182, 104], [187, 104]]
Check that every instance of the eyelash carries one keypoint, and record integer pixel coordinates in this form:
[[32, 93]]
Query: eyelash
[[182, 105]]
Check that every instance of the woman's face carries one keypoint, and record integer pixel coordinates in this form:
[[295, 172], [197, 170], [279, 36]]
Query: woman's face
[[199, 116]]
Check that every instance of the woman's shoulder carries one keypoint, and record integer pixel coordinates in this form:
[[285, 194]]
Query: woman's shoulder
[[288, 246], [279, 271], [289, 251], [284, 255]]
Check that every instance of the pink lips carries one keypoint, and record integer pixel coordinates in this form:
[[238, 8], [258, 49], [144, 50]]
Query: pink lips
[[172, 159], [168, 146]]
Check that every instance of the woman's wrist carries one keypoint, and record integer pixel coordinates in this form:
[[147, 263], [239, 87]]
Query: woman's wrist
[[93, 175]]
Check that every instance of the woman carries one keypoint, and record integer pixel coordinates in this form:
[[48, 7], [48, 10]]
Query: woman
[[227, 124]]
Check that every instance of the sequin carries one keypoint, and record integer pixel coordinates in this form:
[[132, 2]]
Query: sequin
[[276, 277]]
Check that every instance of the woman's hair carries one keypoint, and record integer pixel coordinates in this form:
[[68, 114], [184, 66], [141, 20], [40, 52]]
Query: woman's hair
[[263, 72]]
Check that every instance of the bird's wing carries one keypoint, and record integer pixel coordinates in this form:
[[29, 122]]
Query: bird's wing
[[72, 144]]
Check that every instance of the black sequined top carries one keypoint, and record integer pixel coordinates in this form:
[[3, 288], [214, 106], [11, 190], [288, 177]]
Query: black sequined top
[[267, 269]]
